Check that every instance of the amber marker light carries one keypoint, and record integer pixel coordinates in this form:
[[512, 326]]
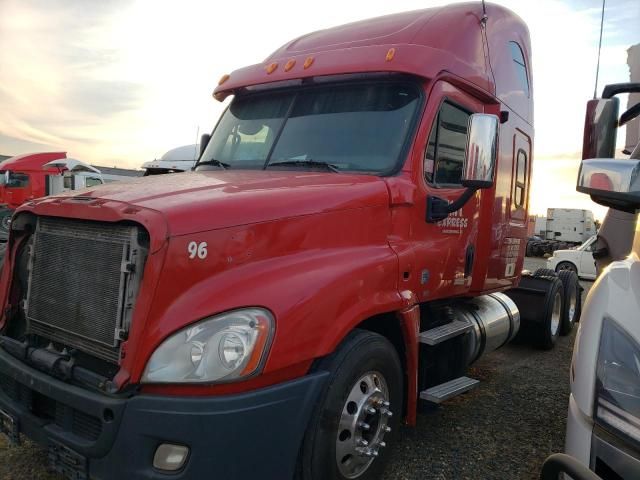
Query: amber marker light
[[390, 54], [271, 68], [289, 65], [224, 78], [308, 62]]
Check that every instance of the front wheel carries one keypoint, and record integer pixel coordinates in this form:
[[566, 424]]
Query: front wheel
[[358, 414]]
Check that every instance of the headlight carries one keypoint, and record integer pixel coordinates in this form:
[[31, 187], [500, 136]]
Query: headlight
[[225, 347], [618, 382]]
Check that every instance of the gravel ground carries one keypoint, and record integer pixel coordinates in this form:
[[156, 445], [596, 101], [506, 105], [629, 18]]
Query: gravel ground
[[504, 429]]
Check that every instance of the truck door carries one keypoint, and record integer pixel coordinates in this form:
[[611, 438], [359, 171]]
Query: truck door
[[445, 251]]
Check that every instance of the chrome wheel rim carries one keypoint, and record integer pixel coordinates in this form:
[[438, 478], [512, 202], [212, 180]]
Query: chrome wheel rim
[[556, 314], [573, 303], [364, 421]]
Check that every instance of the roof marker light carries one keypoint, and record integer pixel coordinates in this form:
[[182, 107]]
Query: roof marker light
[[390, 54], [308, 62], [289, 65], [224, 78], [271, 68]]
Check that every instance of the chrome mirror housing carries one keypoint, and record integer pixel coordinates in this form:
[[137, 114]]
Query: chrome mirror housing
[[613, 183], [481, 152]]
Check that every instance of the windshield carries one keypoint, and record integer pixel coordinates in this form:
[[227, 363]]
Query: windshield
[[354, 127]]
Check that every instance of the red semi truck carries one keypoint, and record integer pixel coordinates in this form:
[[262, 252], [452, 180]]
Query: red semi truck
[[350, 241], [29, 176]]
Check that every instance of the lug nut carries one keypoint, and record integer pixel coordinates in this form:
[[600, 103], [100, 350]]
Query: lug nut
[[386, 404], [387, 412], [387, 428], [364, 425], [362, 442], [371, 410], [382, 444], [374, 453]]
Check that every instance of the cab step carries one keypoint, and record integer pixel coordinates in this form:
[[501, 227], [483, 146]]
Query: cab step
[[450, 389], [438, 335]]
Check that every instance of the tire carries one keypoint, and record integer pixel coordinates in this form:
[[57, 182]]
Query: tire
[[572, 300], [5, 222], [567, 266], [545, 272], [549, 328], [365, 372]]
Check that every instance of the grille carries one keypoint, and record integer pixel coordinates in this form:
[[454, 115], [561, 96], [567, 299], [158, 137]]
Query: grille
[[51, 411], [82, 282]]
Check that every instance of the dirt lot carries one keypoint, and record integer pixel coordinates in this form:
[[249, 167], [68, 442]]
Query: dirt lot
[[504, 429]]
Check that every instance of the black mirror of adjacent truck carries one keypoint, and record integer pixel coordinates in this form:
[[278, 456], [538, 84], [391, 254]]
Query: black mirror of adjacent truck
[[204, 141], [478, 170], [614, 183], [601, 121], [600, 128]]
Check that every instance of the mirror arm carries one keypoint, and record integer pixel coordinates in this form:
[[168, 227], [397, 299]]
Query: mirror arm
[[438, 208]]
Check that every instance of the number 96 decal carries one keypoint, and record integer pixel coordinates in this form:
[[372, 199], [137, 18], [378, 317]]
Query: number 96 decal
[[198, 249]]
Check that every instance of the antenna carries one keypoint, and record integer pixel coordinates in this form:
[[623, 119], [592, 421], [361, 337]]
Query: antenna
[[484, 14], [595, 88]]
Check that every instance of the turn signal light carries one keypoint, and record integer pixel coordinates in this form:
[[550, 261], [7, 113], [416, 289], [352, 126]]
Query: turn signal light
[[223, 78], [308, 62], [289, 65], [390, 54], [271, 68]]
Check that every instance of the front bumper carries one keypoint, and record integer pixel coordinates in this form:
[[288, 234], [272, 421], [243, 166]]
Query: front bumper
[[229, 437], [604, 453]]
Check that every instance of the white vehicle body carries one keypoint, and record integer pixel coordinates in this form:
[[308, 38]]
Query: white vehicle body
[[580, 260], [605, 374], [180, 159], [572, 225]]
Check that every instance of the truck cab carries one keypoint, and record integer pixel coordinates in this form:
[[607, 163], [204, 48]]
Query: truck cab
[[350, 241], [603, 427]]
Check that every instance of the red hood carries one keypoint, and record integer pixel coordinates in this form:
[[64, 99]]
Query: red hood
[[200, 201]]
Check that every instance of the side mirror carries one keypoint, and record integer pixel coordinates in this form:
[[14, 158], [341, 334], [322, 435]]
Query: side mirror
[[478, 171], [482, 151], [613, 183], [204, 141], [600, 128]]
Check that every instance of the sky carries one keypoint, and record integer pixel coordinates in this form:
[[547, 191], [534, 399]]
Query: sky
[[120, 82]]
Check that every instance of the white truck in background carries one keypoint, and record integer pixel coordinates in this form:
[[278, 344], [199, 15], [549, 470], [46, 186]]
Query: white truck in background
[[570, 225], [179, 159], [564, 228]]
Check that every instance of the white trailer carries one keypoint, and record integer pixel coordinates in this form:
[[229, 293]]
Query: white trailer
[[570, 225]]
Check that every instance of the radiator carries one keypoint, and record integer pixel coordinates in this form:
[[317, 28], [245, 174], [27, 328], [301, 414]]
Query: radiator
[[83, 280]]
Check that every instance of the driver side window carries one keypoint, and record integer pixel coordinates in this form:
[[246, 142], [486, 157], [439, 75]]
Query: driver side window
[[444, 156]]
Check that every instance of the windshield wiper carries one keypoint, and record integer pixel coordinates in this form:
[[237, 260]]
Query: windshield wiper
[[215, 162], [305, 163]]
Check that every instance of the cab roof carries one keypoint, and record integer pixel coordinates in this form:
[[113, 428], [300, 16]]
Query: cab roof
[[31, 161], [423, 43]]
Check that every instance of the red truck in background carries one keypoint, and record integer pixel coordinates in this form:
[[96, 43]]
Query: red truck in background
[[350, 241], [26, 177]]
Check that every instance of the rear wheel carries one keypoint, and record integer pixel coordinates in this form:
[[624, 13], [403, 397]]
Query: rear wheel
[[358, 412], [572, 300], [566, 266], [549, 328], [545, 272]]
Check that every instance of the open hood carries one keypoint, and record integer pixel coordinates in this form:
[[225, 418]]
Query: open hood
[[72, 165]]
